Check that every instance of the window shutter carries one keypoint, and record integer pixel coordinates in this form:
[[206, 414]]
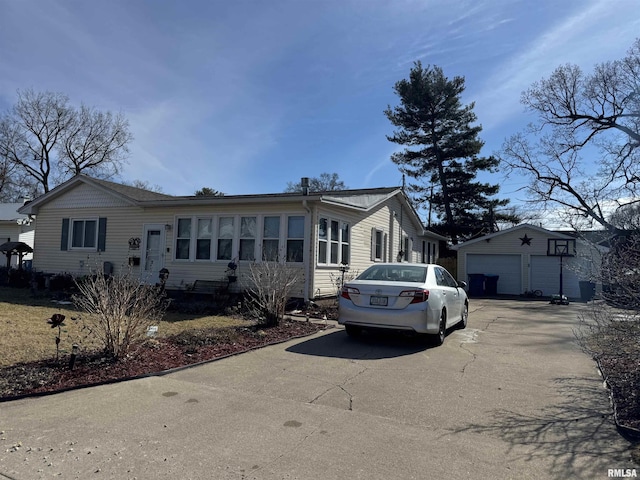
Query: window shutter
[[102, 234], [64, 238], [373, 244]]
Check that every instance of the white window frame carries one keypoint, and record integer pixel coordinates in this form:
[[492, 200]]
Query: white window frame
[[282, 238], [197, 236], [330, 242], [72, 222], [234, 236], [383, 244], [191, 255], [254, 238], [262, 239], [291, 239]]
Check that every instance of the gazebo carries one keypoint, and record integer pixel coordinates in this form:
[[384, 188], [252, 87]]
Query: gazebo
[[15, 248]]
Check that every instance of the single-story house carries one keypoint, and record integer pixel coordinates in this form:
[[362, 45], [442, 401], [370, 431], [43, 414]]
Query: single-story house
[[86, 222], [527, 258], [16, 227]]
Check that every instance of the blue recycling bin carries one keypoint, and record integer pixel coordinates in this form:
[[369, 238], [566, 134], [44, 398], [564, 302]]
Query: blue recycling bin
[[491, 285], [476, 284]]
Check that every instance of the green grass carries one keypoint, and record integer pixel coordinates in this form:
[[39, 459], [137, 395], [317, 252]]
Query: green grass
[[26, 335]]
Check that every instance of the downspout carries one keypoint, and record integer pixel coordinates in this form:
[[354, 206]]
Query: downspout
[[308, 261]]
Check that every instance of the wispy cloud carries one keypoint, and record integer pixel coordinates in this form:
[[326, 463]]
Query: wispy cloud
[[584, 38]]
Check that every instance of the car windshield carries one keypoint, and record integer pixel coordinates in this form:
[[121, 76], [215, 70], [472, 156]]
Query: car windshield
[[395, 273]]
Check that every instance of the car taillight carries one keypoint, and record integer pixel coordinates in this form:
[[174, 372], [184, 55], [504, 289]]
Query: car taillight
[[419, 296], [346, 291]]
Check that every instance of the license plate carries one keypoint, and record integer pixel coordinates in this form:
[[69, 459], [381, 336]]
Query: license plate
[[380, 301]]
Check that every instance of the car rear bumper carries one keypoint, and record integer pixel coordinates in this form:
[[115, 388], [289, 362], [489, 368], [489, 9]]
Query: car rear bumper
[[418, 318]]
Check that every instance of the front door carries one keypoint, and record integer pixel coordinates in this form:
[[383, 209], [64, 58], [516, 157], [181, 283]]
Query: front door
[[153, 246]]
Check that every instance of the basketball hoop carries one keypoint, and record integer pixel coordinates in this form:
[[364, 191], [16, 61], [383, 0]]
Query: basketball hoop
[[561, 247]]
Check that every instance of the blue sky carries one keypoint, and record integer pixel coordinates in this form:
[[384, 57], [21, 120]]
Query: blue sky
[[245, 96]]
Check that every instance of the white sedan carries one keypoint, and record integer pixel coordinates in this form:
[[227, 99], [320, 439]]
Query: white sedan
[[422, 298]]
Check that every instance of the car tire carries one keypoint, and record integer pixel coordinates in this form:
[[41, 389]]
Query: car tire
[[438, 338], [352, 330], [462, 324]]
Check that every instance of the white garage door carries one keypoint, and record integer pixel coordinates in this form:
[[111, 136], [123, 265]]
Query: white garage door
[[545, 276], [507, 267]]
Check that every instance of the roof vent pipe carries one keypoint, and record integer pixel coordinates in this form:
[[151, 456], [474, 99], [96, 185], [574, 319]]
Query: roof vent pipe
[[304, 182]]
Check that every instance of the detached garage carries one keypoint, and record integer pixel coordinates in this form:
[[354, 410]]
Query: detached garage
[[517, 260]]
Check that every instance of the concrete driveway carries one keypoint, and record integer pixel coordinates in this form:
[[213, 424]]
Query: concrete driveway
[[512, 396]]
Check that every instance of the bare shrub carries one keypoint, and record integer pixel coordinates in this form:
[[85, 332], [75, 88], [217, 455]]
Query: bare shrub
[[118, 309], [604, 330], [271, 286], [621, 273]]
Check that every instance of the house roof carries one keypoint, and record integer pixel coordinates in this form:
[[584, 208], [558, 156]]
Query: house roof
[[357, 199], [522, 226], [9, 212]]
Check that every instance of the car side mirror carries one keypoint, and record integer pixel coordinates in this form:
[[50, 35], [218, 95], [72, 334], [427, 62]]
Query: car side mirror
[[462, 284]]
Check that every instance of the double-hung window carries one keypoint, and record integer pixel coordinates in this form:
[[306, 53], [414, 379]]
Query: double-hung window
[[183, 239], [295, 238], [203, 241], [378, 245], [271, 239], [225, 238], [84, 234], [333, 242], [248, 238]]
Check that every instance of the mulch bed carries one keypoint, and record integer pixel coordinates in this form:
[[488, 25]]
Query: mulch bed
[[622, 374], [150, 357]]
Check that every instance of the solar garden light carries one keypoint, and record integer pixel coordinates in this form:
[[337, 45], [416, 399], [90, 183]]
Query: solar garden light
[[74, 354]]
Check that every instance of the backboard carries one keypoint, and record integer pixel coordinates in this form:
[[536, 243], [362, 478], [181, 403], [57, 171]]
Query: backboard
[[561, 247]]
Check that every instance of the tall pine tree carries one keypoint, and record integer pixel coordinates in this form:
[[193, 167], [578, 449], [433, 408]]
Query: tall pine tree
[[441, 153]]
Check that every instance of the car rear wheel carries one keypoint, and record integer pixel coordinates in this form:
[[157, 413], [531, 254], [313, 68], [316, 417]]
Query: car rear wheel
[[352, 330], [438, 338], [465, 317]]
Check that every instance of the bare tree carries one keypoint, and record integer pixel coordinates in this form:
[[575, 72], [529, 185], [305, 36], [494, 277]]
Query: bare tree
[[326, 182], [50, 141], [95, 141], [144, 185], [582, 117]]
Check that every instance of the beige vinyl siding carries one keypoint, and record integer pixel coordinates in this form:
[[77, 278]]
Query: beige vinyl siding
[[122, 224], [87, 196], [184, 272], [327, 277]]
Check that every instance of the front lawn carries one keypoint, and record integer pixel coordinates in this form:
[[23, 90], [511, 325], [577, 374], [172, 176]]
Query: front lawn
[[27, 337]]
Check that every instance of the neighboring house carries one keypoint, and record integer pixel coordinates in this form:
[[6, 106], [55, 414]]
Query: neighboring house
[[519, 256], [85, 222], [16, 227]]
